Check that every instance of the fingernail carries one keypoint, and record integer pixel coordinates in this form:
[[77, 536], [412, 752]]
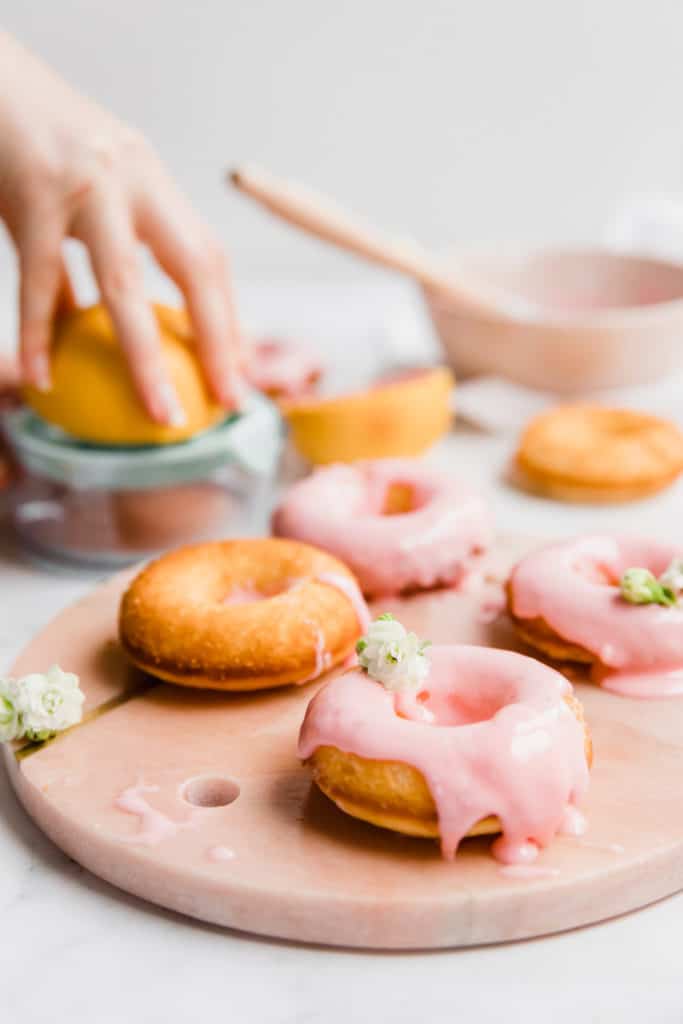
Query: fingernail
[[171, 411], [40, 372]]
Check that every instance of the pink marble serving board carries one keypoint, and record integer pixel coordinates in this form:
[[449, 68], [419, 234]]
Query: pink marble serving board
[[281, 860]]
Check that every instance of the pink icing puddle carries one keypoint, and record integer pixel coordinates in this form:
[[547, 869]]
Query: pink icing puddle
[[502, 742], [154, 825], [572, 586], [524, 872], [607, 847], [219, 854]]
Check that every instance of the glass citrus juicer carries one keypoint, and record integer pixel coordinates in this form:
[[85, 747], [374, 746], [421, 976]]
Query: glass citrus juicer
[[102, 504]]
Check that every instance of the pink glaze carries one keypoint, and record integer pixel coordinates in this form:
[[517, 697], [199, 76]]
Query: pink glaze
[[340, 508], [616, 848], [281, 368], [574, 587], [527, 872], [490, 609], [349, 588], [504, 742], [573, 823], [322, 656], [154, 825], [220, 854]]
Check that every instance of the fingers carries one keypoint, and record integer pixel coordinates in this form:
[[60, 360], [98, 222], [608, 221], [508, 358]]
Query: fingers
[[66, 296], [41, 273], [196, 263], [10, 380], [104, 225]]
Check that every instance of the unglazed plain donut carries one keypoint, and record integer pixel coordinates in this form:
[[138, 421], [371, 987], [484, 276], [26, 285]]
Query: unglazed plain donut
[[508, 751], [596, 454], [565, 602], [396, 523], [241, 615]]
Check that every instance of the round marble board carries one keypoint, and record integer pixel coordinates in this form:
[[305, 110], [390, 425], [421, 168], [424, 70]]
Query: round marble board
[[196, 801]]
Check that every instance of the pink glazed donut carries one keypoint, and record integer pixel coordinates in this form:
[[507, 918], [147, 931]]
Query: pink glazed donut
[[505, 749], [565, 601], [398, 524]]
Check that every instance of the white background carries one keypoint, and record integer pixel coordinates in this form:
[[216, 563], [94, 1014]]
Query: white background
[[455, 121]]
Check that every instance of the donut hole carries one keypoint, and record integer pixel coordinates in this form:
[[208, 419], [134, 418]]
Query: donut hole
[[210, 791], [597, 572], [465, 707], [249, 593], [399, 499]]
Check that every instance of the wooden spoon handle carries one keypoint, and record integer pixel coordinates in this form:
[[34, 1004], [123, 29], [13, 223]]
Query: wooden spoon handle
[[321, 218]]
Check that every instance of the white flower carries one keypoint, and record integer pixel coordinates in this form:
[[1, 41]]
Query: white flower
[[673, 576], [10, 727], [392, 656], [47, 703], [639, 586]]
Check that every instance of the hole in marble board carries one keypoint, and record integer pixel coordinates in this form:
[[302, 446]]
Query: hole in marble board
[[208, 791]]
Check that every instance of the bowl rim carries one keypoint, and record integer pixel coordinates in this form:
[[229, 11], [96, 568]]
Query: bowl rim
[[609, 316]]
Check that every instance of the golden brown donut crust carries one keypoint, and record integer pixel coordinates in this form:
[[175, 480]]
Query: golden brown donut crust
[[543, 639], [394, 795], [175, 623], [590, 453]]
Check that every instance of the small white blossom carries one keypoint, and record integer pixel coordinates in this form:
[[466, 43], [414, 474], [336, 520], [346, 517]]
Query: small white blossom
[[10, 727], [47, 703], [672, 577], [640, 586], [392, 656]]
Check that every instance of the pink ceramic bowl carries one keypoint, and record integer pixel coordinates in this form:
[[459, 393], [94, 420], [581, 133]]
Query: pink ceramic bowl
[[576, 320]]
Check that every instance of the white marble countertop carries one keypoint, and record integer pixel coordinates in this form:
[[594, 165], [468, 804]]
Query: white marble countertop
[[75, 949]]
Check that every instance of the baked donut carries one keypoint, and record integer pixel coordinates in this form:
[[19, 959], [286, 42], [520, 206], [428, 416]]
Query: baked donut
[[241, 614], [507, 751], [281, 368], [565, 602], [92, 395], [595, 454], [399, 525]]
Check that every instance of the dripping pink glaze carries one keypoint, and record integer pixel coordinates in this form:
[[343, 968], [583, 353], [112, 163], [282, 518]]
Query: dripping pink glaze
[[350, 589], [347, 586], [285, 368], [154, 826], [573, 586], [340, 508], [503, 742], [573, 822], [322, 657]]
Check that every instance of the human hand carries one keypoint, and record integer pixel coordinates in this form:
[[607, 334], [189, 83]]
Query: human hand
[[70, 169]]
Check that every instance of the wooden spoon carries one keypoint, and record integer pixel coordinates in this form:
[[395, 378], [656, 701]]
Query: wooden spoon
[[320, 217]]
